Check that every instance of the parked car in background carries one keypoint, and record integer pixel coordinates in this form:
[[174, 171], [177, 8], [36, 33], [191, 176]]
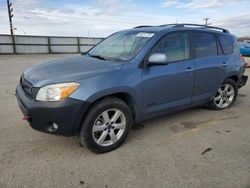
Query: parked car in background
[[129, 77], [244, 48], [247, 62]]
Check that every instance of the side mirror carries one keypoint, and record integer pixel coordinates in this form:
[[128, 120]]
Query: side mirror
[[157, 59]]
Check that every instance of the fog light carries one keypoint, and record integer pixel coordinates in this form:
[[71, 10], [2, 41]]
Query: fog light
[[53, 128]]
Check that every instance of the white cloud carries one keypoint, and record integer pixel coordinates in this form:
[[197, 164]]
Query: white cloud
[[102, 18], [171, 3], [239, 25], [99, 19], [242, 20], [231, 14], [198, 4]]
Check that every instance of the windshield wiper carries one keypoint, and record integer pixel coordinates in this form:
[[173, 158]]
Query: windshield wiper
[[94, 56], [85, 53], [98, 57]]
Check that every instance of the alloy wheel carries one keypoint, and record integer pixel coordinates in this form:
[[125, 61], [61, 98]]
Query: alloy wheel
[[224, 96], [109, 127]]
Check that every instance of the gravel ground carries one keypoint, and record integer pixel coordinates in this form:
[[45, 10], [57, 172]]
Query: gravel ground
[[191, 148]]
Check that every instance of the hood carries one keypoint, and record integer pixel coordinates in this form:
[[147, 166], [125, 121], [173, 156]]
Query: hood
[[68, 69]]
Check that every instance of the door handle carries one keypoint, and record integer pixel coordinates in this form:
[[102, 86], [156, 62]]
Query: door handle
[[189, 69], [224, 64]]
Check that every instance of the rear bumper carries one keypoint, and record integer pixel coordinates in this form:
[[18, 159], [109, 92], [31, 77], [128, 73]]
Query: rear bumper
[[243, 81], [67, 114]]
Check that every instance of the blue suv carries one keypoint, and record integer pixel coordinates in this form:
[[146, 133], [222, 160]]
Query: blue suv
[[131, 76]]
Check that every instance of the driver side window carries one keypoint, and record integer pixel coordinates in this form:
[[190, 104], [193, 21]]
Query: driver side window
[[175, 46]]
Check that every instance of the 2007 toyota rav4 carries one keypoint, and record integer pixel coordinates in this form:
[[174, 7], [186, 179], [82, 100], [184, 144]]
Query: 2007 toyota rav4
[[132, 76]]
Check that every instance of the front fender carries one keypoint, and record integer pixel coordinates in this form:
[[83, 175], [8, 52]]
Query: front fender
[[111, 91], [127, 82]]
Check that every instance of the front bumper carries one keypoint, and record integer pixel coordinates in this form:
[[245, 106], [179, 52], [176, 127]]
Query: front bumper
[[67, 114], [243, 81]]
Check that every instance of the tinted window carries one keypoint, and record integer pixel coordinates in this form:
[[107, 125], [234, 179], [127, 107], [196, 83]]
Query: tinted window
[[204, 45], [219, 48], [226, 43], [175, 46]]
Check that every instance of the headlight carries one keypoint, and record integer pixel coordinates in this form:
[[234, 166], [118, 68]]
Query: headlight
[[56, 92]]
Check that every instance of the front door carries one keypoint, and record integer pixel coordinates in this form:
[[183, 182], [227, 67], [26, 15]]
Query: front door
[[171, 85]]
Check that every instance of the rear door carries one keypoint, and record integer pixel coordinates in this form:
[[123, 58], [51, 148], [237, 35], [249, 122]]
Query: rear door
[[209, 63]]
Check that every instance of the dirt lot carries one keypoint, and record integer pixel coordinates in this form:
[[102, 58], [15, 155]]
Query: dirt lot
[[164, 152]]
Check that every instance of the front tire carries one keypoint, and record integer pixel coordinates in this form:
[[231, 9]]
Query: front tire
[[106, 125], [225, 96]]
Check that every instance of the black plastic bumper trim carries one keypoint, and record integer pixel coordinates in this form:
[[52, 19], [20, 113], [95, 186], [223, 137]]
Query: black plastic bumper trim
[[67, 114], [243, 81]]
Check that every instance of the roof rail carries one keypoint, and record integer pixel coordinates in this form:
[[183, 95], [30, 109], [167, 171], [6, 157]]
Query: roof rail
[[187, 24], [140, 26], [199, 25]]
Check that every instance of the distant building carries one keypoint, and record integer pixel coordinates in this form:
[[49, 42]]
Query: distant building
[[244, 39]]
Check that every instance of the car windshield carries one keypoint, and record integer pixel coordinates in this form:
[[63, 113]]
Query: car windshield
[[122, 46]]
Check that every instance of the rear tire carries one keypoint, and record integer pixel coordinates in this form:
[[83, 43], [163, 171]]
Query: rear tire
[[225, 96], [106, 125]]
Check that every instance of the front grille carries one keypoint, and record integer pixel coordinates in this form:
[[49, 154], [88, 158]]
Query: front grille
[[27, 87]]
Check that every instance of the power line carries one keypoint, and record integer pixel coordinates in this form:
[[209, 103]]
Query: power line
[[18, 26], [106, 20]]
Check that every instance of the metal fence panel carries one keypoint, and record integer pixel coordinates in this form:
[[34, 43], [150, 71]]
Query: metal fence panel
[[31, 40], [46, 44], [6, 49], [85, 48], [90, 41], [64, 49], [34, 49], [5, 39], [62, 40]]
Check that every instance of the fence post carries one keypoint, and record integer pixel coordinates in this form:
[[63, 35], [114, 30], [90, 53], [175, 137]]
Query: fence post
[[49, 46], [78, 45]]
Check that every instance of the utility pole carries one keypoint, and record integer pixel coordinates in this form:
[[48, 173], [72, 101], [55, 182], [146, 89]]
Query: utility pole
[[10, 10], [206, 19]]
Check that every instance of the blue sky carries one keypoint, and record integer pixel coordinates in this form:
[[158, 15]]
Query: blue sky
[[100, 18]]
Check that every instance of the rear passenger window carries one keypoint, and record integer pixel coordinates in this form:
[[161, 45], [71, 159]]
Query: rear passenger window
[[226, 43], [175, 46], [204, 45]]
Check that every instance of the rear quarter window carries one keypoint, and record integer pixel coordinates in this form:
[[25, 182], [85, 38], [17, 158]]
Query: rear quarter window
[[204, 45], [226, 43]]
